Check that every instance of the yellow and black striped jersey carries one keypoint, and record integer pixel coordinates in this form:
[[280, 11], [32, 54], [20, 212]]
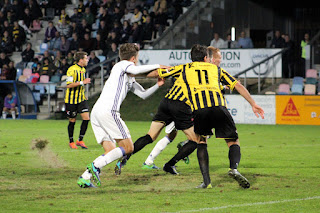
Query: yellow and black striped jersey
[[75, 95], [200, 84]]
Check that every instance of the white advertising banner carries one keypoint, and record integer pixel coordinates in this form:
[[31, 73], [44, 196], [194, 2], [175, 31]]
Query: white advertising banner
[[241, 110], [233, 60]]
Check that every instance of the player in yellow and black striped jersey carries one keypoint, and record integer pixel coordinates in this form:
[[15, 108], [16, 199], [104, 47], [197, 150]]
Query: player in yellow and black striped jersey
[[75, 99], [201, 84]]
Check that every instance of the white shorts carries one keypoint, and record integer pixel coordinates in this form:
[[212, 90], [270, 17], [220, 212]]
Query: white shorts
[[170, 127], [108, 126]]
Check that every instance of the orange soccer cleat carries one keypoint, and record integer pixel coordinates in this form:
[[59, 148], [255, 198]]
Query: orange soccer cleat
[[81, 143], [73, 145]]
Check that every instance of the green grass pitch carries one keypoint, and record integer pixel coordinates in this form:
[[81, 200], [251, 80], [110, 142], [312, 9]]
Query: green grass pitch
[[280, 161]]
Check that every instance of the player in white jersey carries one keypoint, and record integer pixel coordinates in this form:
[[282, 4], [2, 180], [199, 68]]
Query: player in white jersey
[[107, 125]]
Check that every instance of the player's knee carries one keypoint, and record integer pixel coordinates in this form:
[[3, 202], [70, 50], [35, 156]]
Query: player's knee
[[231, 142]]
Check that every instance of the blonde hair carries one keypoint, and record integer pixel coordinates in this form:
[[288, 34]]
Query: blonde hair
[[213, 51]]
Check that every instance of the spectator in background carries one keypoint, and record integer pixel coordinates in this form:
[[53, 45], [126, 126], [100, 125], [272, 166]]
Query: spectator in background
[[132, 4], [160, 4], [277, 41], [4, 59], [111, 53], [125, 32], [5, 6], [103, 30], [113, 38], [64, 46], [43, 4], [229, 44], [137, 15], [92, 5], [93, 59], [145, 13], [64, 16], [88, 16], [100, 47], [35, 9], [55, 43], [81, 7], [127, 16], [217, 42], [11, 18], [117, 28], [117, 14], [10, 103], [28, 54], [160, 22], [84, 28], [64, 28], [74, 43], [6, 44], [76, 17], [304, 43], [147, 29], [103, 15], [6, 27], [64, 67], [26, 17], [86, 44], [244, 42], [70, 59], [121, 5], [75, 28], [57, 59], [46, 55], [288, 58], [12, 71], [18, 35], [2, 18], [47, 68], [5, 72], [50, 32]]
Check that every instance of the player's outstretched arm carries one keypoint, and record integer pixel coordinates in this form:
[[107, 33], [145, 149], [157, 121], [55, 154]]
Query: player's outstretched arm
[[245, 93], [138, 90]]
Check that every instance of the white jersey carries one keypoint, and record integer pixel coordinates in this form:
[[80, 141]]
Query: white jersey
[[119, 84]]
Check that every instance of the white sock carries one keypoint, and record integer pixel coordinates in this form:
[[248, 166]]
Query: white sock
[[157, 150], [13, 113], [4, 115], [111, 156], [86, 175]]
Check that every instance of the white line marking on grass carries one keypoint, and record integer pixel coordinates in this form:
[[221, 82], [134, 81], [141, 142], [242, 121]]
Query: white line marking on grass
[[250, 204]]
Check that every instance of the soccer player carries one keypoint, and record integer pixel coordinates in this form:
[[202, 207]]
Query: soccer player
[[200, 82], [107, 125], [75, 99]]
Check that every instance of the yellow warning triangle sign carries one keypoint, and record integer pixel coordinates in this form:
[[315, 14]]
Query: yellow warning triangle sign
[[291, 109]]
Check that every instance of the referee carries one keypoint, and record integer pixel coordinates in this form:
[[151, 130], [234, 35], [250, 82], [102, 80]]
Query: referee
[[75, 99]]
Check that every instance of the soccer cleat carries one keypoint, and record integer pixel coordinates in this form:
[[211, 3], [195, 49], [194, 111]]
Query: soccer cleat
[[81, 143], [121, 163], [170, 169], [243, 182], [73, 145], [204, 186], [152, 166], [179, 146], [95, 173], [85, 183]]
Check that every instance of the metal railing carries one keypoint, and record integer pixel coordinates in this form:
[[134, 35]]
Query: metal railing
[[259, 70]]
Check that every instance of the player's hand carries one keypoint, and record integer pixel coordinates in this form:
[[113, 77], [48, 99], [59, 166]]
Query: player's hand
[[153, 74], [87, 81], [160, 82], [164, 67], [258, 111]]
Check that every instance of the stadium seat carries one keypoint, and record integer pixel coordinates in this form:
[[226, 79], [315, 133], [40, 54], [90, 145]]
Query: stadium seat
[[311, 81], [297, 89], [29, 65], [284, 89], [43, 47], [311, 73], [27, 72], [310, 89], [23, 78], [44, 79], [19, 73], [102, 58], [55, 79], [298, 80], [318, 88]]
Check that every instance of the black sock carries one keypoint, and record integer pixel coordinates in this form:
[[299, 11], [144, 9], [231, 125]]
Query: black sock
[[203, 159], [70, 131], [234, 156], [141, 142], [83, 129], [185, 151]]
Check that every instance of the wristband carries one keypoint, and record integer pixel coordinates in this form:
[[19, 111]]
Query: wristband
[[81, 83]]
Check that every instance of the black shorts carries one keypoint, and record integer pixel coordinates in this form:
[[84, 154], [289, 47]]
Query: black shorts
[[74, 109], [177, 111], [218, 118]]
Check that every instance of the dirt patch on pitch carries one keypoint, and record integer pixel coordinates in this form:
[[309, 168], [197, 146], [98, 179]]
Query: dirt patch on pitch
[[48, 156]]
